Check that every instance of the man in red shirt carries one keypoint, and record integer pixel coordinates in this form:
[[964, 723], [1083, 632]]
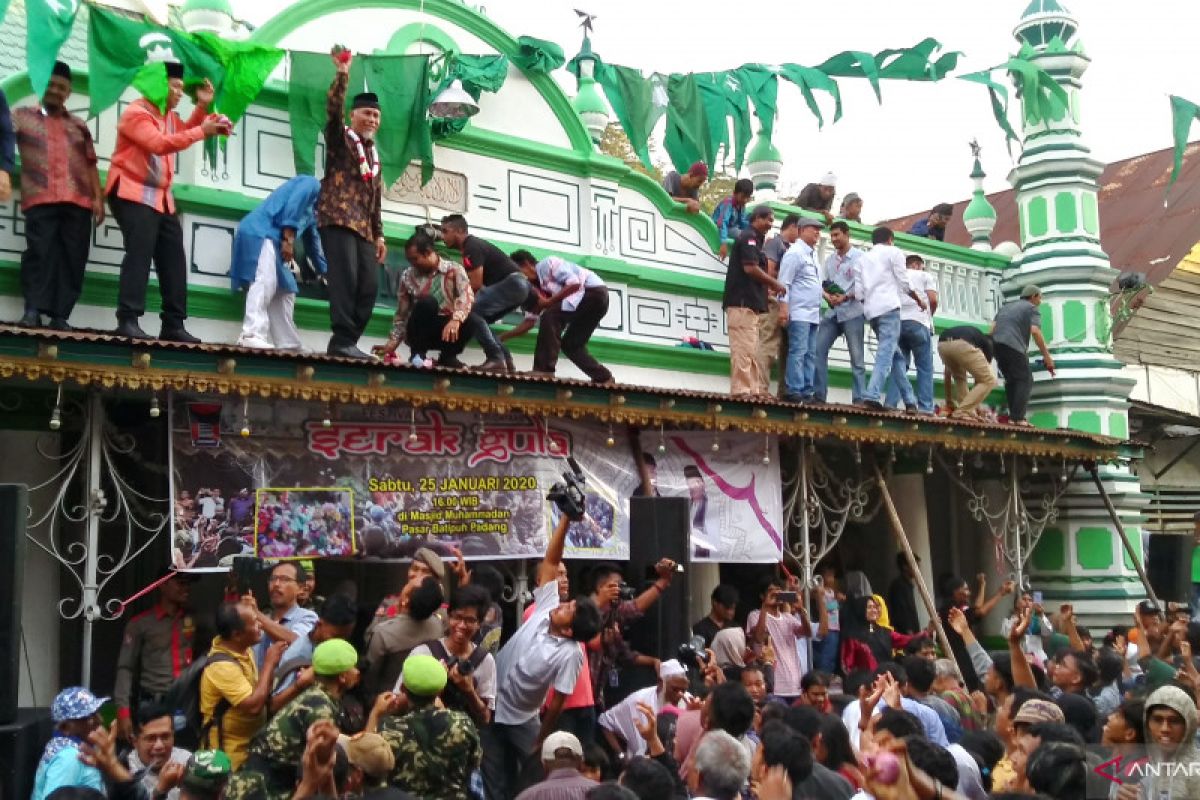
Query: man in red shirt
[[60, 194], [139, 194]]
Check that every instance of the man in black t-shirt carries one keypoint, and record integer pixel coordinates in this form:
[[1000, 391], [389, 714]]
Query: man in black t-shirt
[[964, 349], [499, 285], [746, 285], [724, 607]]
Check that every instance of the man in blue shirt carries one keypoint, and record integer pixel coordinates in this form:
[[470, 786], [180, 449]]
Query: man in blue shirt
[[800, 309], [934, 226], [74, 713], [730, 214]]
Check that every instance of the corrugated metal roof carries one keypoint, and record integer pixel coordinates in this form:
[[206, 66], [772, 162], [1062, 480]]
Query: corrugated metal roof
[[1135, 230], [12, 40]]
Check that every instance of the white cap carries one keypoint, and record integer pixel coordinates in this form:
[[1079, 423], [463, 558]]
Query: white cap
[[560, 740], [829, 180], [669, 669]]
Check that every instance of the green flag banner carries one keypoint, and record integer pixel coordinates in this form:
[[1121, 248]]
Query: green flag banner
[[1183, 113], [687, 139], [247, 66], [998, 93], [48, 26], [402, 83], [309, 79], [478, 74], [119, 47], [808, 79], [538, 55], [735, 105], [852, 64], [761, 85], [914, 64], [632, 97], [1044, 98]]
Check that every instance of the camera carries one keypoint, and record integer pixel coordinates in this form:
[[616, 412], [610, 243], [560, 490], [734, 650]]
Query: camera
[[463, 666], [568, 493], [693, 653], [626, 592]]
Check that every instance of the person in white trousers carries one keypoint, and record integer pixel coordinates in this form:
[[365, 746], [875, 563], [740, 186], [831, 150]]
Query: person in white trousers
[[263, 247]]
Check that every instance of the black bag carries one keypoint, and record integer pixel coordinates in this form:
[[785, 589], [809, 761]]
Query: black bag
[[183, 696]]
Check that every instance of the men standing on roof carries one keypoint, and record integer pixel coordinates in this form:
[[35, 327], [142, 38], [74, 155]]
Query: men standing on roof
[[730, 214], [265, 243], [916, 330], [963, 349], [140, 175], [880, 280], [499, 285], [1014, 324], [745, 302], [772, 339], [571, 301], [350, 212], [801, 310], [60, 196], [819, 196], [934, 226], [686, 188], [844, 316]]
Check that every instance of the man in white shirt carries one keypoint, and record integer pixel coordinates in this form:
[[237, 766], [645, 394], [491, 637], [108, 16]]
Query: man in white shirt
[[880, 281], [541, 655], [844, 317], [620, 722], [572, 301], [800, 310], [916, 342]]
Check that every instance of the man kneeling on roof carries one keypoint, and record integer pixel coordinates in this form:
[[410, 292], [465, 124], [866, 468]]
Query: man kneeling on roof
[[571, 301]]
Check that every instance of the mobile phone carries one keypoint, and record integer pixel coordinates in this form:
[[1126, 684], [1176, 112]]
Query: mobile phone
[[785, 597], [1037, 598]]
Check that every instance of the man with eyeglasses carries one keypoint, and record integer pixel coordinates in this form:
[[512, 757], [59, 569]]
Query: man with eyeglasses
[[288, 621], [471, 670]]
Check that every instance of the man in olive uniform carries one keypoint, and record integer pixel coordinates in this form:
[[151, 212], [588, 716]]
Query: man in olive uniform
[[436, 749], [273, 766], [157, 647]]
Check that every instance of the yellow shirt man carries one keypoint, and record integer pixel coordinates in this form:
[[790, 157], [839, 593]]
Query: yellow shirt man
[[233, 682]]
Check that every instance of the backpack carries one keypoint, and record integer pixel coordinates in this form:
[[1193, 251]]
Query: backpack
[[183, 696], [352, 714]]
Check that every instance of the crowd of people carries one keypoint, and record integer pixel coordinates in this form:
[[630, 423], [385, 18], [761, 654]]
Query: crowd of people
[[781, 305], [835, 691]]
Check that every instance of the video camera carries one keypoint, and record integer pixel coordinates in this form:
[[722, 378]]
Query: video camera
[[568, 494]]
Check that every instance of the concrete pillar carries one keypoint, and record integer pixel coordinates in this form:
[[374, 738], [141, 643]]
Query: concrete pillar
[[701, 581], [908, 492]]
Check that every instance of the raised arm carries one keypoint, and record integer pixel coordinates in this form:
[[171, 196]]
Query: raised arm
[[1021, 671], [984, 607], [548, 569]]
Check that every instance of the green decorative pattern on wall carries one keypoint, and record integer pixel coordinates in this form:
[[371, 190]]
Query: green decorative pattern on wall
[[1118, 425], [1074, 321], [1050, 555], [1044, 419], [1039, 222], [1103, 321], [1066, 219], [1047, 322], [1134, 535], [1091, 214], [1094, 548], [1085, 421]]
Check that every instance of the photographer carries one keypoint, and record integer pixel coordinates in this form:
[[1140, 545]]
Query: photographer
[[471, 670], [620, 609], [783, 622]]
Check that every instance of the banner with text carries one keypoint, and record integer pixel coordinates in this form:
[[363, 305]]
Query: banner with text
[[382, 482]]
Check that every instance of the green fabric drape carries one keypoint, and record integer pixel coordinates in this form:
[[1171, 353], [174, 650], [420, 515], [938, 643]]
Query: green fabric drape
[[725, 100], [116, 56], [308, 87], [852, 64], [3, 9], [998, 93], [631, 96], [538, 55], [688, 138], [913, 63], [48, 26], [808, 80], [402, 83], [247, 66], [761, 84], [1183, 113], [1043, 97]]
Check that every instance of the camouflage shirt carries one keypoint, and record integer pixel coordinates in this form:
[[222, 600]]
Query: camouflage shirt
[[436, 751], [273, 765]]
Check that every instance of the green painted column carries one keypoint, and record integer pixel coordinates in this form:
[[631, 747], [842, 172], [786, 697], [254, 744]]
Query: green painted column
[[1079, 557]]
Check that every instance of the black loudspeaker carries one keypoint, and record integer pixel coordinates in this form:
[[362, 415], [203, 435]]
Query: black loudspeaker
[[14, 510], [1169, 566], [659, 528], [21, 744]]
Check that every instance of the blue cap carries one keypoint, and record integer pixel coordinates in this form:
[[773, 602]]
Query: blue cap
[[75, 702]]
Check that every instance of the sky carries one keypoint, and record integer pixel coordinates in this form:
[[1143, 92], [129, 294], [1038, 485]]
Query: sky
[[911, 151]]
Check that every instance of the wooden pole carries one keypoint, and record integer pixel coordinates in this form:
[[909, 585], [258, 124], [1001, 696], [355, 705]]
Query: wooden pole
[[902, 540], [1112, 512]]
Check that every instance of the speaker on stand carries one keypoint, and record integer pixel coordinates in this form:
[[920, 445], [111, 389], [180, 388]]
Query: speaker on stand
[[1169, 566], [659, 528]]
